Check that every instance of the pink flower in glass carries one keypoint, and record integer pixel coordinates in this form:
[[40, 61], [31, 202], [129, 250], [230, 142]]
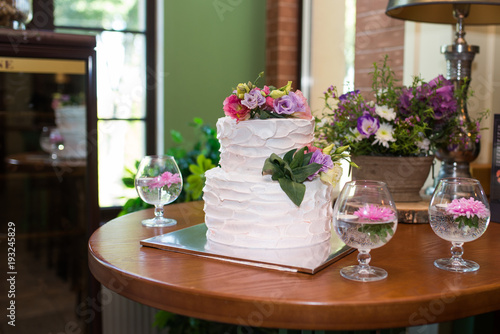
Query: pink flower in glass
[[467, 208], [165, 179], [374, 213]]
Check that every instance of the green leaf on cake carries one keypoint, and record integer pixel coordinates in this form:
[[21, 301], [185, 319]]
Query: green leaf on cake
[[291, 171], [265, 114], [294, 190], [289, 156], [298, 159], [302, 173]]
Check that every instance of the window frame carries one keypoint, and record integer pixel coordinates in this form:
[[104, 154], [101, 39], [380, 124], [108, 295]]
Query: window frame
[[43, 19]]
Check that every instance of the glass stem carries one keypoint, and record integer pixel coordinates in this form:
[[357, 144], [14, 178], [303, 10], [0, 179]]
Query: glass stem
[[158, 211], [456, 252], [364, 258], [159, 207]]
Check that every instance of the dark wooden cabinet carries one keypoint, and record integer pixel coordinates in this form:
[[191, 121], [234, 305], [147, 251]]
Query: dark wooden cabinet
[[49, 207]]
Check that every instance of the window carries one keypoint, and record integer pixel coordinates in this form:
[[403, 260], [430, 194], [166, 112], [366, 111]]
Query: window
[[125, 32]]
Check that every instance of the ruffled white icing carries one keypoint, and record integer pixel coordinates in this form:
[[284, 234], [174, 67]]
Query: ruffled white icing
[[247, 144], [244, 208], [302, 257]]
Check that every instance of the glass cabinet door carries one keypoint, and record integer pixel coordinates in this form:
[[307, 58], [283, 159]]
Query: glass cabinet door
[[44, 190]]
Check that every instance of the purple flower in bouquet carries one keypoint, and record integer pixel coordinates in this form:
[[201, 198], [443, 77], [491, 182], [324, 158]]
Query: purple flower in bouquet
[[253, 99], [405, 100], [443, 102], [349, 95], [368, 125], [289, 104]]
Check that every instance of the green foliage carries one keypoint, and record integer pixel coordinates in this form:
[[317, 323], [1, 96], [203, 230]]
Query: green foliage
[[472, 222], [377, 231], [291, 172], [196, 181], [207, 146]]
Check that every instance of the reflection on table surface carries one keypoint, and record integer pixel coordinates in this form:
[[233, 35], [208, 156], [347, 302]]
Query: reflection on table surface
[[43, 159]]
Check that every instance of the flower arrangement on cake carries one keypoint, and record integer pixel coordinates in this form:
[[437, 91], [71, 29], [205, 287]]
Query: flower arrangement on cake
[[250, 102], [297, 166], [401, 120]]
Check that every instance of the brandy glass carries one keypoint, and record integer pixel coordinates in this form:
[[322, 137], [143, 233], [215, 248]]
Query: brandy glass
[[365, 218], [51, 141], [458, 212], [159, 182]]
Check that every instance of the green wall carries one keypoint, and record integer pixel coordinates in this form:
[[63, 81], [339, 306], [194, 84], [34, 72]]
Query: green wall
[[210, 47]]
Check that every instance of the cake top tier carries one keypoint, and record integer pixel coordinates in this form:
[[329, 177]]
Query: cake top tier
[[246, 145], [248, 101]]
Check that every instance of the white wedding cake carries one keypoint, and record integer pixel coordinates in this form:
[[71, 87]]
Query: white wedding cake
[[269, 131], [247, 209]]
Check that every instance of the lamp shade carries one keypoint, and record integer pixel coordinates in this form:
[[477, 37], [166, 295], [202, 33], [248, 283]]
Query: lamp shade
[[482, 12]]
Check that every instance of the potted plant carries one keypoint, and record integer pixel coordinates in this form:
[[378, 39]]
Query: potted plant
[[394, 136]]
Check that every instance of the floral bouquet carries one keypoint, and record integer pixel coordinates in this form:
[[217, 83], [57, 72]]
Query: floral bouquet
[[400, 121], [249, 101]]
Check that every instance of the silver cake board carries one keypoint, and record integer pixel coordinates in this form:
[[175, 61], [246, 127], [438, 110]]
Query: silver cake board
[[193, 241]]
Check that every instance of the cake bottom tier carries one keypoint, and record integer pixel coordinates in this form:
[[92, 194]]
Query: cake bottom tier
[[254, 212]]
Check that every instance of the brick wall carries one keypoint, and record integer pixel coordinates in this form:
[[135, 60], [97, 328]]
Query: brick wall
[[376, 35], [283, 42]]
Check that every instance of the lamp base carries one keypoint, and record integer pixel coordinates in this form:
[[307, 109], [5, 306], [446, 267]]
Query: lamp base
[[454, 169], [450, 169]]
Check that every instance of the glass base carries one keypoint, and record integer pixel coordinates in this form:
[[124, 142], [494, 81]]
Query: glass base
[[460, 266], [361, 274], [159, 222]]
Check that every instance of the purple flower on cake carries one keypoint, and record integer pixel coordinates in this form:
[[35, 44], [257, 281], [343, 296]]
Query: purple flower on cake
[[323, 159], [306, 114], [289, 104], [165, 179], [375, 213], [254, 99], [467, 208], [368, 125]]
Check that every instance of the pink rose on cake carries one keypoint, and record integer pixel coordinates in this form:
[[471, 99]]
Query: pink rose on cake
[[249, 101], [233, 108]]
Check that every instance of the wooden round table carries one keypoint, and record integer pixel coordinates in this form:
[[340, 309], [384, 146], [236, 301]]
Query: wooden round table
[[415, 292]]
